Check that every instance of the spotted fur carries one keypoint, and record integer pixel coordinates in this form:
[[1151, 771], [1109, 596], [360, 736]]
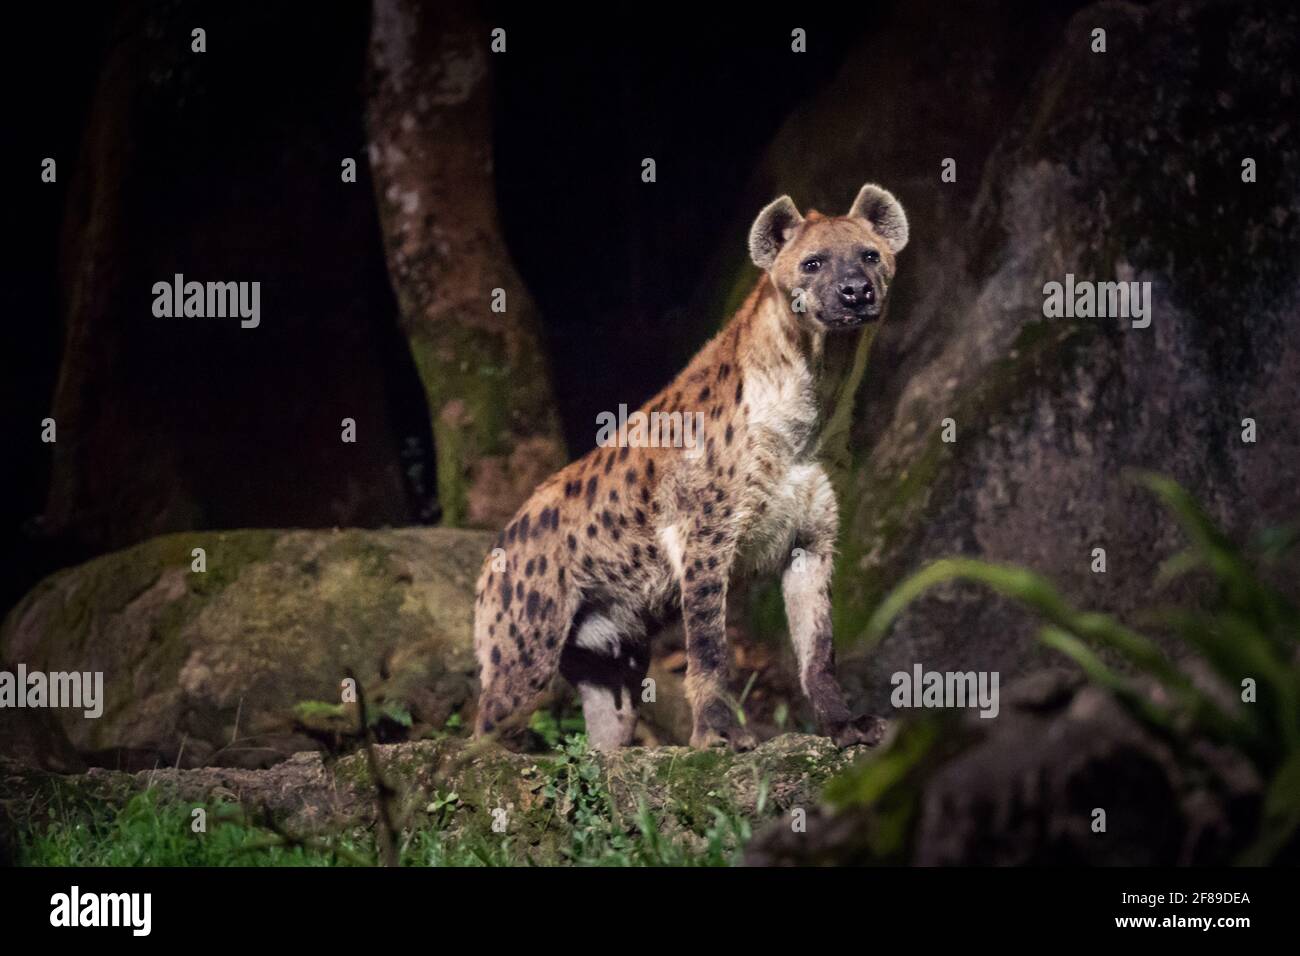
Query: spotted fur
[[614, 544]]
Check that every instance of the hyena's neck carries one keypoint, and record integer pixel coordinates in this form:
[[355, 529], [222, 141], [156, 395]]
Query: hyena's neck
[[830, 362]]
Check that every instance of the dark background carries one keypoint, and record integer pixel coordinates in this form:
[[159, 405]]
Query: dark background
[[225, 166], [242, 182]]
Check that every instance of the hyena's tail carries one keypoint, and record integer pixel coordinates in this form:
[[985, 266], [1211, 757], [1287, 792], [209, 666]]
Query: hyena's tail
[[524, 604]]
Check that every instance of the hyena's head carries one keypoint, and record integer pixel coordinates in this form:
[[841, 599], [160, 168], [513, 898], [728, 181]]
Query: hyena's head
[[834, 272]]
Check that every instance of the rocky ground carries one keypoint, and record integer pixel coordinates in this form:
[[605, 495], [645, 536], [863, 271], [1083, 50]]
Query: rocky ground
[[462, 789]]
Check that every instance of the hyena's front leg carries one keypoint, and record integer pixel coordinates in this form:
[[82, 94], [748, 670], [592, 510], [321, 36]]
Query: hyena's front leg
[[806, 587], [704, 568]]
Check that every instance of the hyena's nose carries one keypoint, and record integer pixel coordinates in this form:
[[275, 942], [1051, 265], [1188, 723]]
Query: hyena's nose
[[857, 293]]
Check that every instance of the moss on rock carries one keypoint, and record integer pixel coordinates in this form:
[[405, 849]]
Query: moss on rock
[[460, 789], [203, 667]]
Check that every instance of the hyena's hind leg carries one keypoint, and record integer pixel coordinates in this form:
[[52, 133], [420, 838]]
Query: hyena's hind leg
[[607, 664], [518, 643]]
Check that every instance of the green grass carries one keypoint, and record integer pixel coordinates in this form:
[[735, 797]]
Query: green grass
[[148, 830]]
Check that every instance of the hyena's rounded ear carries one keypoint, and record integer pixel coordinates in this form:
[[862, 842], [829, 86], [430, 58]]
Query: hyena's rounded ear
[[772, 230], [880, 208]]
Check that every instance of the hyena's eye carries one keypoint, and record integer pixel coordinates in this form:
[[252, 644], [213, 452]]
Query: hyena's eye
[[811, 265], [871, 255]]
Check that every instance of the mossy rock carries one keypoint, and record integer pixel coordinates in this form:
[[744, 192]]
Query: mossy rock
[[313, 795], [214, 666], [1123, 166]]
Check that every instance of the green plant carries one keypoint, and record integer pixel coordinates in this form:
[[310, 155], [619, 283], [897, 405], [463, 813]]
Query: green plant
[[552, 728], [1248, 632]]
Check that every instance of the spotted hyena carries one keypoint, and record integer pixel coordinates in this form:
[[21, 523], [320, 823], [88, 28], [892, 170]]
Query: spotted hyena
[[610, 546]]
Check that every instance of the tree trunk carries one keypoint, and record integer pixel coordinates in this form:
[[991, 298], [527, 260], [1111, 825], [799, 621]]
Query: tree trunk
[[488, 386]]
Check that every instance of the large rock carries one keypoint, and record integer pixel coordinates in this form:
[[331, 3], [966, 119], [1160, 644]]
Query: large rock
[[214, 667], [1123, 165], [241, 664], [1027, 788]]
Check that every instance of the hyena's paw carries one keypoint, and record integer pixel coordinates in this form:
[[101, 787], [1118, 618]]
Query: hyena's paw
[[864, 730], [719, 726], [737, 738]]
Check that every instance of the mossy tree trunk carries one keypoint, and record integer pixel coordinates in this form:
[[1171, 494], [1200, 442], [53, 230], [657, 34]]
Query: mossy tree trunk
[[487, 381]]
